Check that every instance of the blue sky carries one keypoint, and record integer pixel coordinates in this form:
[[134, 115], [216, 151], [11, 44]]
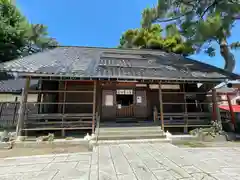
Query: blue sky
[[98, 23]]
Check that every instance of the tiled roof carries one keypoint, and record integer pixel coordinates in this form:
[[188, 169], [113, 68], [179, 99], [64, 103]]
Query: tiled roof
[[86, 62], [15, 85]]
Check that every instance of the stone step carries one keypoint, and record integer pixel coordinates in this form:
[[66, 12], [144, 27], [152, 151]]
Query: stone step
[[129, 141], [125, 129], [130, 136], [132, 132]]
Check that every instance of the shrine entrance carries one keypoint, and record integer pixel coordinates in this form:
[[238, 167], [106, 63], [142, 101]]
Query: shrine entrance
[[125, 103]]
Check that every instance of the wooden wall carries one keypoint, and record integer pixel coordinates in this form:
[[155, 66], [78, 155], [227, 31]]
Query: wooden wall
[[9, 105], [79, 97], [75, 93], [174, 101]]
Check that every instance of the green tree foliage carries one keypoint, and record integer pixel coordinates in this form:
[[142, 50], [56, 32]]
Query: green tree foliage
[[200, 22], [17, 36], [198, 9], [152, 38], [38, 40], [12, 31]]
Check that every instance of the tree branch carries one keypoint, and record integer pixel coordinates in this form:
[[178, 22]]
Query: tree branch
[[208, 8], [159, 20], [189, 3], [172, 19]]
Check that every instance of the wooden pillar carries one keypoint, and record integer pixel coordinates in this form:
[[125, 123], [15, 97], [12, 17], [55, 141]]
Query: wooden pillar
[[22, 107], [63, 107], [214, 105], [231, 112], [161, 106], [15, 111], [155, 114], [94, 105], [39, 96], [185, 110], [99, 98], [1, 110]]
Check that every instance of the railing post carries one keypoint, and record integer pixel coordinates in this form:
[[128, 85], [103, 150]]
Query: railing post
[[161, 106], [155, 114], [185, 110], [214, 104], [97, 125], [22, 108], [231, 112], [94, 106], [15, 111], [64, 106]]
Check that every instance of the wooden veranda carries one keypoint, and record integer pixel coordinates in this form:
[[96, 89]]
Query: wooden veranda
[[78, 106]]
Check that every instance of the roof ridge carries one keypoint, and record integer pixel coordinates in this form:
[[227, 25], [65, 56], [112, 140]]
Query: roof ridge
[[149, 50], [45, 63]]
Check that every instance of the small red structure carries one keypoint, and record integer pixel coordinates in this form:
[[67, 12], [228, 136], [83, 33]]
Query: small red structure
[[232, 109], [236, 108]]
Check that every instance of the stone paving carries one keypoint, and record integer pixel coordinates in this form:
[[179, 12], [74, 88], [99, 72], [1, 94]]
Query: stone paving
[[145, 161]]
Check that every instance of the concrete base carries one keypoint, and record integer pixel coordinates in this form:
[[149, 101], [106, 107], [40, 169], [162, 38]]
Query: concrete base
[[231, 136], [220, 138], [130, 133], [4, 145], [132, 141], [183, 138], [185, 131], [55, 143], [209, 138], [21, 138]]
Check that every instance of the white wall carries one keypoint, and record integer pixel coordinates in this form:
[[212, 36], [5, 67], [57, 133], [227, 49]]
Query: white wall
[[11, 97]]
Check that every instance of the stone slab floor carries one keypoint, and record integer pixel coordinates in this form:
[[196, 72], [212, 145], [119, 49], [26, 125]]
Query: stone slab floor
[[146, 161]]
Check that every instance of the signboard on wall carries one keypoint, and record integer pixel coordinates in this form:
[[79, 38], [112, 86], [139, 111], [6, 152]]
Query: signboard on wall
[[139, 99], [119, 106], [164, 86], [109, 100], [141, 85], [124, 91]]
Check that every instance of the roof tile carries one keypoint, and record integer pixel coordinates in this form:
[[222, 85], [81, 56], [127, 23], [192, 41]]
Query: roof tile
[[114, 63]]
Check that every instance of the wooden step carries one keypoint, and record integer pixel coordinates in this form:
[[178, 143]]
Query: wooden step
[[131, 141], [131, 136], [124, 133], [144, 131], [125, 129]]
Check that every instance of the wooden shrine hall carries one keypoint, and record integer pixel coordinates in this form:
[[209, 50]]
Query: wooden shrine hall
[[81, 88]]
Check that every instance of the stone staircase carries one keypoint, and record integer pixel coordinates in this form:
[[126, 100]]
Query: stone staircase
[[129, 133]]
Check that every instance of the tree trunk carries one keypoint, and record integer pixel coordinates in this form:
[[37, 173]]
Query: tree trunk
[[228, 57], [229, 66], [229, 63]]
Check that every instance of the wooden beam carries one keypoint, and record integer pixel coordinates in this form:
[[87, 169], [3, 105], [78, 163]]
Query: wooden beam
[[161, 106], [22, 107], [61, 103], [215, 105], [94, 105], [185, 101], [63, 106], [1, 109], [231, 112], [39, 95], [185, 110], [57, 91], [15, 111], [236, 86]]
